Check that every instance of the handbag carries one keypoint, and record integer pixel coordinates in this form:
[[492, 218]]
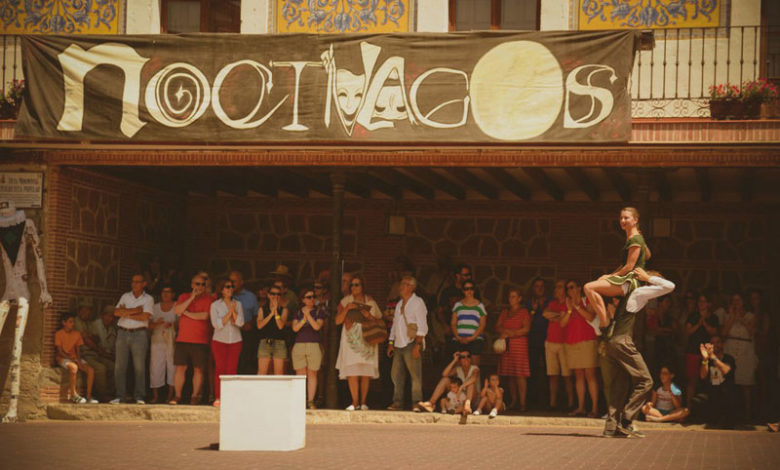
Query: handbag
[[374, 331], [411, 328]]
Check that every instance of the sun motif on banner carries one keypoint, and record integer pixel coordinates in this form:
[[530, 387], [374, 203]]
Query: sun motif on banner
[[60, 16], [342, 16], [645, 14]]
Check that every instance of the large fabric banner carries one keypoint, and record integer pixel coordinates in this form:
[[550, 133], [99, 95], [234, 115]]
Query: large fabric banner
[[490, 87]]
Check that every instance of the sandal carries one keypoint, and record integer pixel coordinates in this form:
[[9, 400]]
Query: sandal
[[577, 413], [174, 401], [426, 405], [216, 403], [195, 400], [593, 414]]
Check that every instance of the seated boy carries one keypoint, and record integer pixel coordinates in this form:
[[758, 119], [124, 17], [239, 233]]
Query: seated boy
[[666, 402], [67, 341], [455, 399], [491, 397]]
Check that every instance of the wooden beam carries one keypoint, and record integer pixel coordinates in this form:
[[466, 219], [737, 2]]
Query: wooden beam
[[585, 183], [544, 179], [747, 184], [381, 185], [316, 182], [509, 182], [357, 187], [262, 182], [289, 182], [435, 181], [469, 179], [401, 181], [620, 185], [705, 186]]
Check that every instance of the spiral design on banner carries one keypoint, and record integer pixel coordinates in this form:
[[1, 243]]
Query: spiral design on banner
[[178, 95]]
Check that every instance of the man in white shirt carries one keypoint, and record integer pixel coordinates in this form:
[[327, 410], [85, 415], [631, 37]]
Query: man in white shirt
[[134, 310], [630, 381], [410, 313]]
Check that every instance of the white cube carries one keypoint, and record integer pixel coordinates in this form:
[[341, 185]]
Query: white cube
[[262, 412]]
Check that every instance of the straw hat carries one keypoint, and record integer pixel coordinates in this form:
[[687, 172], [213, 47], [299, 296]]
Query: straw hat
[[281, 270]]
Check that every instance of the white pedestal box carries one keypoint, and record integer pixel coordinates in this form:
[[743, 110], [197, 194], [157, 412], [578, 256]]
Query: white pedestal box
[[262, 412]]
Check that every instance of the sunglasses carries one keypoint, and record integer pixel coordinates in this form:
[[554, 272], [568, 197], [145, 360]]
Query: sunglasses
[[308, 296], [199, 283], [276, 294]]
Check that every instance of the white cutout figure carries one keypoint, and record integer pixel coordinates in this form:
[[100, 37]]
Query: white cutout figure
[[16, 232]]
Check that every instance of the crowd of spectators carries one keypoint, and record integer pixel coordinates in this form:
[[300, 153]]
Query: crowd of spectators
[[714, 358]]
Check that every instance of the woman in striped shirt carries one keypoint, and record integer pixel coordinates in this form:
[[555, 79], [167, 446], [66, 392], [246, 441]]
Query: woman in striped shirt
[[468, 323]]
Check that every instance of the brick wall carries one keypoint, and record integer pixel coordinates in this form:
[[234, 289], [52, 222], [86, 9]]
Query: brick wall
[[99, 230]]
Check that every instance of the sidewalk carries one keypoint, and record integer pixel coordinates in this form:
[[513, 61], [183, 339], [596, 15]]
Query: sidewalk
[[207, 414]]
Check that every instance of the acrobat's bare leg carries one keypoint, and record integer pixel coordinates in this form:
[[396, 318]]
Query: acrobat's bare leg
[[16, 355]]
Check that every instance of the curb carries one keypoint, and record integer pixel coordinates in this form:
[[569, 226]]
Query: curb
[[207, 414]]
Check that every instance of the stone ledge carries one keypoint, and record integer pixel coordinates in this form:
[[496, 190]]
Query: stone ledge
[[205, 414]]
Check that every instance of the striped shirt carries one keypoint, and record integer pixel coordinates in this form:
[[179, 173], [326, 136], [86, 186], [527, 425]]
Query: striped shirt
[[468, 318]]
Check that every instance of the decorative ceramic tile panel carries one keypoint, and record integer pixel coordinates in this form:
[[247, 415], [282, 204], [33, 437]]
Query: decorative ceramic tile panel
[[621, 14], [343, 16], [61, 16]]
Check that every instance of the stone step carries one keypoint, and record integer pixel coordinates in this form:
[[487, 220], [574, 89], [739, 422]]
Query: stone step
[[208, 414]]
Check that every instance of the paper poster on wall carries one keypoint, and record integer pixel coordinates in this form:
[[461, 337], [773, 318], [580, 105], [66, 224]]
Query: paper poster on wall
[[25, 189]]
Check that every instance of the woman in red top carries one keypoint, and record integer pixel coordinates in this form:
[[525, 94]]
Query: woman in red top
[[513, 325], [581, 348]]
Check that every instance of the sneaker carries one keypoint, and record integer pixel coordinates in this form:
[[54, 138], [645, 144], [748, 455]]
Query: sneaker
[[493, 413], [115, 401], [476, 413], [140, 402], [78, 399], [92, 401], [630, 430], [364, 407], [614, 433], [351, 408]]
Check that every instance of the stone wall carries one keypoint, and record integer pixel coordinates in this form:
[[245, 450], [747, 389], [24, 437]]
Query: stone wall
[[722, 247]]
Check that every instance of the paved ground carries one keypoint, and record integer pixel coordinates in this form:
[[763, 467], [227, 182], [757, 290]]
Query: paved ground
[[137, 445]]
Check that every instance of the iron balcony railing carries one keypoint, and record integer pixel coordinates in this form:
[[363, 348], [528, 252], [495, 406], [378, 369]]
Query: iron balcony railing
[[671, 80]]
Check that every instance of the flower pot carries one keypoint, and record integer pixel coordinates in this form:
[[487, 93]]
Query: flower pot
[[751, 109], [7, 129], [735, 109], [770, 109], [719, 109]]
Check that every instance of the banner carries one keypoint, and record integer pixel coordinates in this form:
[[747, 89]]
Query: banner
[[485, 87]]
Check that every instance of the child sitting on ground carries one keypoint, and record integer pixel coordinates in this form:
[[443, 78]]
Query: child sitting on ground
[[455, 399], [67, 341], [491, 397], [666, 402]]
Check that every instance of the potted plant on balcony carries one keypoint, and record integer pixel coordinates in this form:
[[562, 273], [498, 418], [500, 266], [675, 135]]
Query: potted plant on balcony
[[753, 93], [725, 101], [766, 94], [10, 102]]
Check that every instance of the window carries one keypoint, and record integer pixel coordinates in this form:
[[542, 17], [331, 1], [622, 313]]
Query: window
[[471, 15], [201, 16]]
